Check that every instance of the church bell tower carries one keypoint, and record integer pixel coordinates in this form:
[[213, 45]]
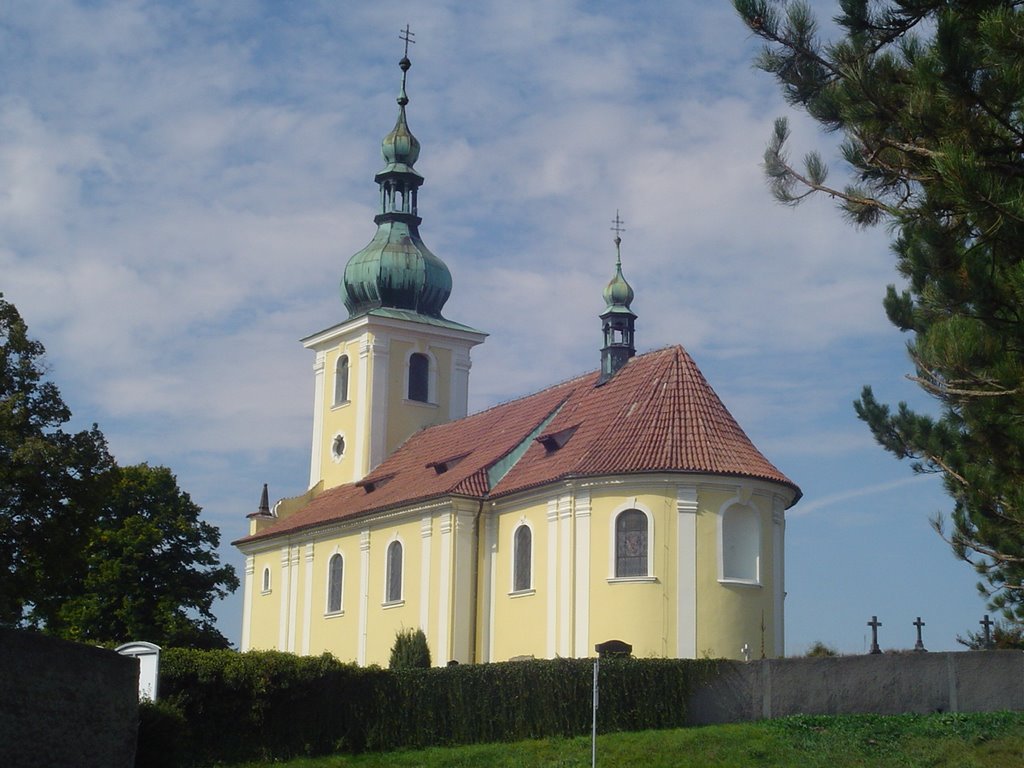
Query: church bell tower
[[396, 365]]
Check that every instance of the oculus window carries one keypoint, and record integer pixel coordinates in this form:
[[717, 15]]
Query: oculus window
[[522, 575], [631, 544], [335, 572]]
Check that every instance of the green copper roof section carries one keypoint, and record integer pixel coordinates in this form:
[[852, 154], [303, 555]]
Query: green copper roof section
[[503, 466], [400, 148], [618, 294], [396, 270]]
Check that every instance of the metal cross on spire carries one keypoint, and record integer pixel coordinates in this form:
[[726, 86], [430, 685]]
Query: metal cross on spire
[[618, 229], [407, 36]]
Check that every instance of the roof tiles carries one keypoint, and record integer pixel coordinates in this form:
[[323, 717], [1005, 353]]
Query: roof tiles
[[657, 413]]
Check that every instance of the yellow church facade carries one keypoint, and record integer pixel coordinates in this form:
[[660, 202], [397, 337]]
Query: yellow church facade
[[625, 504]]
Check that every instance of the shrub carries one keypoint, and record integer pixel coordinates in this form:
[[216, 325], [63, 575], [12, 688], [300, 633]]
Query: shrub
[[163, 731], [410, 650], [819, 649]]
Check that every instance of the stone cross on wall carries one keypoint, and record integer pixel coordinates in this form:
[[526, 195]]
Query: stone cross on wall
[[919, 645], [986, 623], [745, 650], [874, 624]]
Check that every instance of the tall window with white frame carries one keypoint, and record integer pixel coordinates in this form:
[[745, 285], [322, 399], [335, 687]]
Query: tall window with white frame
[[335, 574], [741, 544], [631, 544], [341, 380], [266, 580], [419, 377], [393, 587], [522, 568]]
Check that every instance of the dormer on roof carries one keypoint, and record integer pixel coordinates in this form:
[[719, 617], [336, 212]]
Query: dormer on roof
[[442, 466], [552, 441]]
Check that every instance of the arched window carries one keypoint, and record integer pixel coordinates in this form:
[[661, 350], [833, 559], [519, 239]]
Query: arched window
[[335, 572], [419, 377], [266, 580], [741, 544], [341, 380], [631, 544], [522, 574], [393, 588]]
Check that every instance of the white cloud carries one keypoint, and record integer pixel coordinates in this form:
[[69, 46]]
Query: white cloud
[[181, 185]]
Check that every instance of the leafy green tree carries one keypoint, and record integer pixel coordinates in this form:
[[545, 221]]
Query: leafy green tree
[[410, 650], [927, 96], [152, 569], [49, 481], [90, 550]]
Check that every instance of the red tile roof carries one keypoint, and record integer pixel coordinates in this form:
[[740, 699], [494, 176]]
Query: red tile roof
[[657, 414]]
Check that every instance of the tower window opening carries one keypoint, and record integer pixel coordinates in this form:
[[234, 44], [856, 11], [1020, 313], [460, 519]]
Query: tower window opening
[[341, 380], [419, 377]]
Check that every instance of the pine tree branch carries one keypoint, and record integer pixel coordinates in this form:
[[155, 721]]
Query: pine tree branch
[[944, 389]]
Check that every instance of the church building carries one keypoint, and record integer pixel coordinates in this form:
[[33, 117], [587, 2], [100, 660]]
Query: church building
[[625, 504]]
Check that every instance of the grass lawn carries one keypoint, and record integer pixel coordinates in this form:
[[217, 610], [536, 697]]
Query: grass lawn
[[908, 741]]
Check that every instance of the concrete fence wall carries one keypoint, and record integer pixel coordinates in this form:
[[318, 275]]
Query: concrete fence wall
[[975, 681], [65, 704]]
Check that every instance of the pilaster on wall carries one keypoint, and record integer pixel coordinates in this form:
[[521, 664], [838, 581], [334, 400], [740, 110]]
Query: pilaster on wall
[[463, 591], [582, 558], [307, 601], [488, 589], [250, 577], [461, 364], [445, 588], [316, 454], [364, 593], [552, 585], [686, 574], [293, 598], [565, 608], [779, 573], [282, 635], [426, 531]]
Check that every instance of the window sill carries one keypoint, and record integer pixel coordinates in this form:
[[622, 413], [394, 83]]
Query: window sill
[[392, 604], [632, 579], [522, 592], [740, 582], [420, 403], [266, 591], [342, 404], [333, 614]]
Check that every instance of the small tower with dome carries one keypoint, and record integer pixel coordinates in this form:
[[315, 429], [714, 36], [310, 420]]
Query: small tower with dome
[[617, 320]]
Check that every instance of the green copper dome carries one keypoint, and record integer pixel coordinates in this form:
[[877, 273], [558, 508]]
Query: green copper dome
[[396, 270], [618, 294]]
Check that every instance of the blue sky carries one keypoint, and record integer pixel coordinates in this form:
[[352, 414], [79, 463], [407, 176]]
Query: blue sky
[[182, 183]]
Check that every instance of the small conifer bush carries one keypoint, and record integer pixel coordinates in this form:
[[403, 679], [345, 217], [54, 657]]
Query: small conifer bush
[[410, 650]]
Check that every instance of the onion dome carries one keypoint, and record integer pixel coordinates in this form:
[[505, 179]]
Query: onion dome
[[618, 294], [396, 270]]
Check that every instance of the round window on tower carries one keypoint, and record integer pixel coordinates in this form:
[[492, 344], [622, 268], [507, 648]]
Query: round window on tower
[[338, 448]]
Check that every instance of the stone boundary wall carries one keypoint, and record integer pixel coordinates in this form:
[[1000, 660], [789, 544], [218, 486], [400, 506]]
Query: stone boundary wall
[[65, 704], [886, 684]]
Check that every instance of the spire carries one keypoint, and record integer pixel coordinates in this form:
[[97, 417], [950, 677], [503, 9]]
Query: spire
[[396, 270], [264, 508], [617, 320]]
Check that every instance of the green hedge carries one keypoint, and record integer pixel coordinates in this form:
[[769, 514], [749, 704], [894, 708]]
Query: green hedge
[[270, 705]]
